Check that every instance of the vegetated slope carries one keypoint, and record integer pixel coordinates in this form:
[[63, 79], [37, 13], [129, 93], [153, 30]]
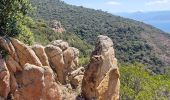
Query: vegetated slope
[[44, 34], [138, 84], [134, 41]]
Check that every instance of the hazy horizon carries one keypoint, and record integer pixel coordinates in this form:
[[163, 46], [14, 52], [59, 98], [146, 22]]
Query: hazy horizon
[[122, 6]]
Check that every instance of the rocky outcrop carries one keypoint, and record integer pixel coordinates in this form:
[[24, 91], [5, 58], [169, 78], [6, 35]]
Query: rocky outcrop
[[35, 72], [57, 27], [63, 59], [52, 73], [101, 78]]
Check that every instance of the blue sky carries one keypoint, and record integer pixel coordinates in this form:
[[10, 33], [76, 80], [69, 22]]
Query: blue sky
[[114, 6]]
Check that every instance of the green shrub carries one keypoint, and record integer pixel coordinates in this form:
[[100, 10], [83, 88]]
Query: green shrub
[[138, 84]]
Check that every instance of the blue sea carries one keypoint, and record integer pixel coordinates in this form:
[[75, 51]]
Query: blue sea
[[165, 26]]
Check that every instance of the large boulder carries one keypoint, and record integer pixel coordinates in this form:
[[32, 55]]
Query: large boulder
[[25, 53], [4, 79], [101, 78], [40, 52], [55, 56], [30, 83], [36, 83]]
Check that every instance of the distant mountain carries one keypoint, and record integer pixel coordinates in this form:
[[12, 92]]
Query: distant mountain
[[134, 41], [159, 19]]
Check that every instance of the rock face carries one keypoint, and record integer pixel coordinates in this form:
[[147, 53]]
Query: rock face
[[101, 78]]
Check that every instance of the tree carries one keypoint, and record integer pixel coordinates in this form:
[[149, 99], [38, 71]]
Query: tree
[[13, 19]]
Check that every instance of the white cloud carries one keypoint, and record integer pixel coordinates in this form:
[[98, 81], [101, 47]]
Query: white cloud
[[113, 3], [157, 2]]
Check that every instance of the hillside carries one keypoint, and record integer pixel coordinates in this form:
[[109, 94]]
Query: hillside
[[134, 41]]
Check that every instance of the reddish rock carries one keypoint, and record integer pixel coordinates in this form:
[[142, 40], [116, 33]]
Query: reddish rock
[[30, 83], [36, 83], [13, 83], [101, 78], [12, 65], [6, 45], [52, 90], [55, 56], [25, 53], [4, 79], [40, 52]]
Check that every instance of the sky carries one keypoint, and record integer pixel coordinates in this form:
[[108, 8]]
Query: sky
[[119, 6]]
